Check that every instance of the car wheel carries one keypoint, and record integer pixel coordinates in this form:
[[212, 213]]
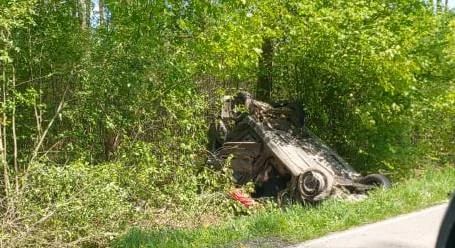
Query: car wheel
[[377, 180]]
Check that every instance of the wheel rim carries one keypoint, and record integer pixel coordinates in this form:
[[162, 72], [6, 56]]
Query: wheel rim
[[313, 185]]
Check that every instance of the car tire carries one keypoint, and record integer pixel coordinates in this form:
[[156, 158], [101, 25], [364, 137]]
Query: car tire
[[377, 180]]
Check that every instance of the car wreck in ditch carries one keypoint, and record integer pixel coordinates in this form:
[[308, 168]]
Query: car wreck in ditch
[[270, 145]]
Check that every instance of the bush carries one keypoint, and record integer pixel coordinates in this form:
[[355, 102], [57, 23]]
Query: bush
[[84, 204], [77, 203]]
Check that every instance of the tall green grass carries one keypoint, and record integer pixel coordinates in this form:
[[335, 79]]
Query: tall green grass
[[299, 223]]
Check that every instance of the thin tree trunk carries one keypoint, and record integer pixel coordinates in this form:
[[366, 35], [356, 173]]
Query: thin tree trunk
[[101, 12], [437, 5], [13, 127], [3, 139], [51, 122], [38, 118], [3, 163], [440, 8], [32, 78], [88, 11], [265, 81], [83, 13]]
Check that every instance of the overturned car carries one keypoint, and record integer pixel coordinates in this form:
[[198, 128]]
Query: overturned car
[[270, 146]]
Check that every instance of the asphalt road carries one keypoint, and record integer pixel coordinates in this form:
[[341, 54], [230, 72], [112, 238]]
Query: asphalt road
[[414, 230]]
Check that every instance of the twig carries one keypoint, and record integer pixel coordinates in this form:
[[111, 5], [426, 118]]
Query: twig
[[38, 78], [82, 239], [40, 143], [38, 118], [52, 147]]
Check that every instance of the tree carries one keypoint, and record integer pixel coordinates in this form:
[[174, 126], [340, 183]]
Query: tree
[[265, 79]]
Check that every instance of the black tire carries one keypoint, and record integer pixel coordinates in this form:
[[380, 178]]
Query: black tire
[[377, 180]]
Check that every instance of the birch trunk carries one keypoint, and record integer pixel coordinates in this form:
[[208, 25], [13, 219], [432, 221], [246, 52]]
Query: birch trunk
[[13, 129], [83, 13], [3, 138]]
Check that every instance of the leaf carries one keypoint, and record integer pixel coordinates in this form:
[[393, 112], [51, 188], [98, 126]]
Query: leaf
[[258, 50]]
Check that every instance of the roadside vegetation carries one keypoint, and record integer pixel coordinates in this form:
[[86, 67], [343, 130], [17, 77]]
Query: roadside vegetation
[[274, 227], [105, 107]]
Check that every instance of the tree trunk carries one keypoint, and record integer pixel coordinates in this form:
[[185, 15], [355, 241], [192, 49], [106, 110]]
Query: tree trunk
[[111, 141], [83, 13], [13, 129], [3, 160], [101, 11], [265, 80], [88, 12]]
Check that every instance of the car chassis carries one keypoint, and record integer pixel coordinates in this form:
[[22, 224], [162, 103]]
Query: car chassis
[[271, 146]]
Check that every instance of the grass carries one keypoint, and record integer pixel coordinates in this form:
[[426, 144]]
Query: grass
[[299, 223]]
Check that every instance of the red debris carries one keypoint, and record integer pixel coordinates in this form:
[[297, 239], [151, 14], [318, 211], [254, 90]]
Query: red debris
[[243, 198]]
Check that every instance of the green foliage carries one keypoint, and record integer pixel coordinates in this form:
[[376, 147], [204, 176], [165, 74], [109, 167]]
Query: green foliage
[[82, 204], [111, 112], [365, 72], [62, 204]]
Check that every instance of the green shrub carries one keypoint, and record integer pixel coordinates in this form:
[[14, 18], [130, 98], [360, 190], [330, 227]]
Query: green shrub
[[77, 203]]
